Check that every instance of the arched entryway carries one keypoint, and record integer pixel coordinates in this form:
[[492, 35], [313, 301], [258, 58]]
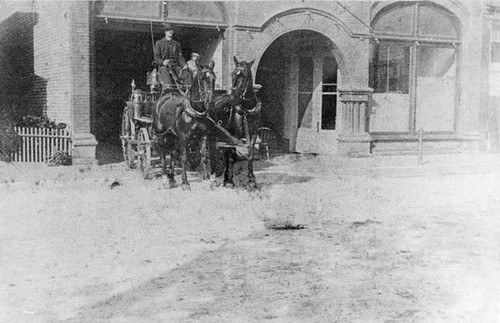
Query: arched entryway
[[300, 77]]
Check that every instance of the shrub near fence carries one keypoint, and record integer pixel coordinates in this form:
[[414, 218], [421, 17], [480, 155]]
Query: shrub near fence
[[39, 145]]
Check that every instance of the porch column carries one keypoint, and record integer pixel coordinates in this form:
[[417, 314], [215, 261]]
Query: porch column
[[84, 142], [354, 139]]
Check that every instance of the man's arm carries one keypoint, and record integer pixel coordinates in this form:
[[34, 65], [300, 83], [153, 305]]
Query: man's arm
[[182, 61], [158, 61]]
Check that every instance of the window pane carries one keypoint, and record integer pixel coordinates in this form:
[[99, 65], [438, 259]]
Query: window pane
[[495, 52], [436, 23], [328, 111], [495, 31], [392, 112], [329, 97], [436, 62], [329, 70], [389, 68], [306, 67], [329, 88], [436, 83], [395, 21]]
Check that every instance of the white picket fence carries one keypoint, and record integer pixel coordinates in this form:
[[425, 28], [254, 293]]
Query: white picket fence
[[40, 144]]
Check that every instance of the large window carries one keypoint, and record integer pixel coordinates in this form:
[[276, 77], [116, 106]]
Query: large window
[[495, 42], [413, 68], [390, 65]]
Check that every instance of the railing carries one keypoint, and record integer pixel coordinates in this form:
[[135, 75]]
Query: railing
[[40, 144]]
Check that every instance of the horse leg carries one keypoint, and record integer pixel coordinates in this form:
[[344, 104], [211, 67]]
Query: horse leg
[[163, 165], [205, 163], [171, 173], [216, 163], [185, 184], [204, 158], [163, 162], [250, 175], [228, 173]]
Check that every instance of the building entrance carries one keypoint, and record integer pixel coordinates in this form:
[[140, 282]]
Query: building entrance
[[300, 78]]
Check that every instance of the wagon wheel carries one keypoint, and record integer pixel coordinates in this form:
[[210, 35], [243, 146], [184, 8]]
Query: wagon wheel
[[144, 148], [127, 137]]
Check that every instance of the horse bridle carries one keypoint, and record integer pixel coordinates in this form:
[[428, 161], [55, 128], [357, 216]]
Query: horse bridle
[[247, 80], [204, 95]]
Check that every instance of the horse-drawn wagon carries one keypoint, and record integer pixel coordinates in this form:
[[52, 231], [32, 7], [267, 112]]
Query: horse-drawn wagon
[[183, 122], [136, 131]]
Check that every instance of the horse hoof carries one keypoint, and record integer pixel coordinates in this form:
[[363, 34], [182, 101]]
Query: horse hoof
[[228, 185], [186, 187], [171, 185]]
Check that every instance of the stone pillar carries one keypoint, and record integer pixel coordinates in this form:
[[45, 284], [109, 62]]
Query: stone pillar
[[354, 139], [84, 142]]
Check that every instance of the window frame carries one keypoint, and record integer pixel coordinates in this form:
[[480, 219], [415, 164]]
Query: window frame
[[415, 41], [496, 41]]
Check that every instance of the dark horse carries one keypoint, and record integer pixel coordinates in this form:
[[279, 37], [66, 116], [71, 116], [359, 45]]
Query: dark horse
[[178, 118], [236, 118]]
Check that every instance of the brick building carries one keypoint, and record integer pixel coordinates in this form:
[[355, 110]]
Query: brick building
[[338, 77]]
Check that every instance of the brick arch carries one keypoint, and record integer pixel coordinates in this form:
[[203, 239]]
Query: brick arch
[[344, 44], [453, 6]]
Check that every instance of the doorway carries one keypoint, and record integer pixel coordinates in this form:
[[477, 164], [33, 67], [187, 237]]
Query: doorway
[[317, 98], [300, 78]]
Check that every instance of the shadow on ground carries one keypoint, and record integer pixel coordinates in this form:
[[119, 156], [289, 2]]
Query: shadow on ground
[[109, 152], [264, 179]]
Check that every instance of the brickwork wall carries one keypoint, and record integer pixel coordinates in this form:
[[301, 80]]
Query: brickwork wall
[[80, 65], [61, 49], [52, 63], [258, 13], [350, 52], [470, 71], [17, 80]]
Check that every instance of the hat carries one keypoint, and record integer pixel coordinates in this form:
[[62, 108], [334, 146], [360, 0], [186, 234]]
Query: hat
[[167, 26]]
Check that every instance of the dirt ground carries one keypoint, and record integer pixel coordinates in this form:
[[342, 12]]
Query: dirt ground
[[377, 240]]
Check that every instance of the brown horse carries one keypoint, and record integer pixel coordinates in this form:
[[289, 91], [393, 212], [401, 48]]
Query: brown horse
[[236, 118], [179, 119]]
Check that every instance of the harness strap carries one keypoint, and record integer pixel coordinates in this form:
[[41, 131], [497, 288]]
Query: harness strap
[[235, 140], [247, 130], [175, 78], [188, 109]]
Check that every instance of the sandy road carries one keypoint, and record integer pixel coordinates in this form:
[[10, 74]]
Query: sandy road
[[375, 248]]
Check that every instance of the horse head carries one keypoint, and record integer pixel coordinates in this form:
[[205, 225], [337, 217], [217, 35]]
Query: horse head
[[242, 80], [204, 86]]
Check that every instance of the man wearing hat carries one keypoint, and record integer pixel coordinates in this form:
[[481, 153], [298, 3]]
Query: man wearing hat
[[168, 57]]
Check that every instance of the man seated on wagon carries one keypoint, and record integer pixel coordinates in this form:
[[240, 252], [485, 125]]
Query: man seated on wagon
[[193, 64], [168, 59]]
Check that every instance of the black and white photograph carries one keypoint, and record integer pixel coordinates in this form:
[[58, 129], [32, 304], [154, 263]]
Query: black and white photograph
[[281, 161]]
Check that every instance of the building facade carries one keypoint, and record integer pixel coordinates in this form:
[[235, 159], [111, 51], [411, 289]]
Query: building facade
[[338, 77]]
